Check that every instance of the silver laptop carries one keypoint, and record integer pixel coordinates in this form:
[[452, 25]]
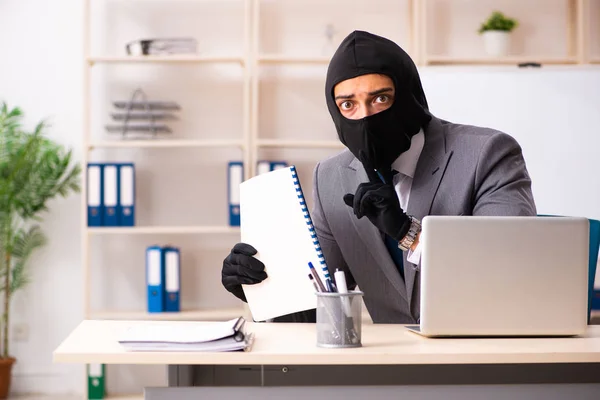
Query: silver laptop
[[504, 276]]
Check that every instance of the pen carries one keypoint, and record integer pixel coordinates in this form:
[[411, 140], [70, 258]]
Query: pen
[[330, 287], [328, 282], [316, 276], [313, 282]]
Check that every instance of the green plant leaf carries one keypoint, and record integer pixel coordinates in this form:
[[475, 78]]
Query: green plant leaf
[[33, 170], [497, 21], [25, 243]]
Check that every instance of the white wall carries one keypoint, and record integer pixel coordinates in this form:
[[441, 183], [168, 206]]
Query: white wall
[[553, 112], [40, 71]]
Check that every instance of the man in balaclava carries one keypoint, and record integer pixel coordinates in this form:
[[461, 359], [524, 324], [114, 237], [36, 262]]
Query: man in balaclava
[[401, 164]]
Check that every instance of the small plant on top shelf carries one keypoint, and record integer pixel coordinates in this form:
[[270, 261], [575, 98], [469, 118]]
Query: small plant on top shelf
[[496, 33]]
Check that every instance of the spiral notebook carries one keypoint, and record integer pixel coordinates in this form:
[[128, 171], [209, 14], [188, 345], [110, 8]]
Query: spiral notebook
[[275, 220]]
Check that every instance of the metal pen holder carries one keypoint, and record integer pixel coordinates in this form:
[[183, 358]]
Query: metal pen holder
[[339, 319]]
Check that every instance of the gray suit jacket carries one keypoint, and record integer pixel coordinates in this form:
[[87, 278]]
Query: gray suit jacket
[[462, 170]]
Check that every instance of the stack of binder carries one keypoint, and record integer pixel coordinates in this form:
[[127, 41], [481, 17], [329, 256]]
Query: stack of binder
[[235, 177], [163, 278], [111, 194]]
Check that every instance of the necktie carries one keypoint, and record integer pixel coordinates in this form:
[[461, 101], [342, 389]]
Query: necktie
[[392, 245], [395, 253]]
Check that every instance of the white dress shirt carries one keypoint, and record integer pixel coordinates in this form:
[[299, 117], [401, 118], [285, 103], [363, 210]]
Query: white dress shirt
[[406, 164]]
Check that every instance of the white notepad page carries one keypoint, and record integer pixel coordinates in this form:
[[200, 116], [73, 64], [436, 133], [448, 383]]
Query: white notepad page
[[272, 221]]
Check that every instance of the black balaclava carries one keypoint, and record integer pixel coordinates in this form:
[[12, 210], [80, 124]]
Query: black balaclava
[[377, 140]]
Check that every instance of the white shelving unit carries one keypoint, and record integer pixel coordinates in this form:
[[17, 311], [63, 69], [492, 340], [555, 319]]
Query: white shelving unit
[[91, 144], [291, 59], [175, 59], [183, 315], [570, 30], [164, 230], [166, 143], [254, 59]]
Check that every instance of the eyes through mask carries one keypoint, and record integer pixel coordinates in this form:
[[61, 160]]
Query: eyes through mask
[[380, 137]]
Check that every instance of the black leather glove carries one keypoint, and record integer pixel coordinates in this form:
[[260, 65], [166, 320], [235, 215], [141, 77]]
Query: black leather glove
[[239, 267], [379, 202]]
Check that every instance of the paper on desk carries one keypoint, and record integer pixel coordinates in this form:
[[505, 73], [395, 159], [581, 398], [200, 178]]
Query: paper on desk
[[229, 343], [182, 336], [272, 221]]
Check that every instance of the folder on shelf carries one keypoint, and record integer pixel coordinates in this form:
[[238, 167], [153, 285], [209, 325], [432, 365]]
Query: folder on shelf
[[275, 165], [235, 178], [95, 209], [155, 278], [172, 262], [111, 194], [95, 381], [262, 167], [126, 204]]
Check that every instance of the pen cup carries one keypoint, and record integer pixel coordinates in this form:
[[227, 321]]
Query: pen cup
[[339, 318]]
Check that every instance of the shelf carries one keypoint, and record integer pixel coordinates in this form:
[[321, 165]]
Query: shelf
[[311, 144], [433, 60], [182, 59], [217, 314], [285, 59], [149, 230], [165, 143]]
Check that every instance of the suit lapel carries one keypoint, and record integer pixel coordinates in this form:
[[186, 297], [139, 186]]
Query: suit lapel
[[428, 175], [352, 176]]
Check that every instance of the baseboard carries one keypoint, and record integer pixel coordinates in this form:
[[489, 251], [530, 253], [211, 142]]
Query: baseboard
[[67, 384]]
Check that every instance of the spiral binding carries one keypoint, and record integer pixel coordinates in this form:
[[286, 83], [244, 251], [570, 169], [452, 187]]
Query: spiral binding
[[311, 228]]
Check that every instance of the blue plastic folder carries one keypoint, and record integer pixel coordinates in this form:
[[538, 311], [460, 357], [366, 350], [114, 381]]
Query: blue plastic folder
[[275, 165], [172, 263], [126, 203], [594, 300], [110, 180], [95, 208], [155, 278], [235, 176]]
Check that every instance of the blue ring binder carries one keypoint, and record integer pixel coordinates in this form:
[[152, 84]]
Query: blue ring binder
[[311, 228]]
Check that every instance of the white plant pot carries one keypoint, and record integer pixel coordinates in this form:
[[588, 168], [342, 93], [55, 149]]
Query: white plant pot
[[496, 43]]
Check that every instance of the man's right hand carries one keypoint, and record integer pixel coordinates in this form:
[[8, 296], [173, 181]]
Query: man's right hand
[[239, 268]]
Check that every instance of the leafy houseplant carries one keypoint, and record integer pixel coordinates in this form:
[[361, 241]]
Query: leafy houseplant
[[495, 31], [33, 170]]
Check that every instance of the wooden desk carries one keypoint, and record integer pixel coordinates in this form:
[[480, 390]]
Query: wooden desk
[[391, 355], [96, 342]]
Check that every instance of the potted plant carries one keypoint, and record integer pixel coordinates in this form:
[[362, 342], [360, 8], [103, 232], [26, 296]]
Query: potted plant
[[496, 33], [33, 170]]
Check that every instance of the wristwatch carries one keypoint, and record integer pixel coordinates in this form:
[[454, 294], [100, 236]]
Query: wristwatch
[[407, 241]]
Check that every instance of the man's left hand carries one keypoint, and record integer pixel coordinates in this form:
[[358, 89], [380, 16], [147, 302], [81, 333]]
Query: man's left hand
[[379, 203]]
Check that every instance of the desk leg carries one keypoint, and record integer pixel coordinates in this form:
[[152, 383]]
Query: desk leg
[[180, 375]]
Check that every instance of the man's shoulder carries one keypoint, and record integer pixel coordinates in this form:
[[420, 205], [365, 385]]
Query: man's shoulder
[[331, 164], [473, 136]]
